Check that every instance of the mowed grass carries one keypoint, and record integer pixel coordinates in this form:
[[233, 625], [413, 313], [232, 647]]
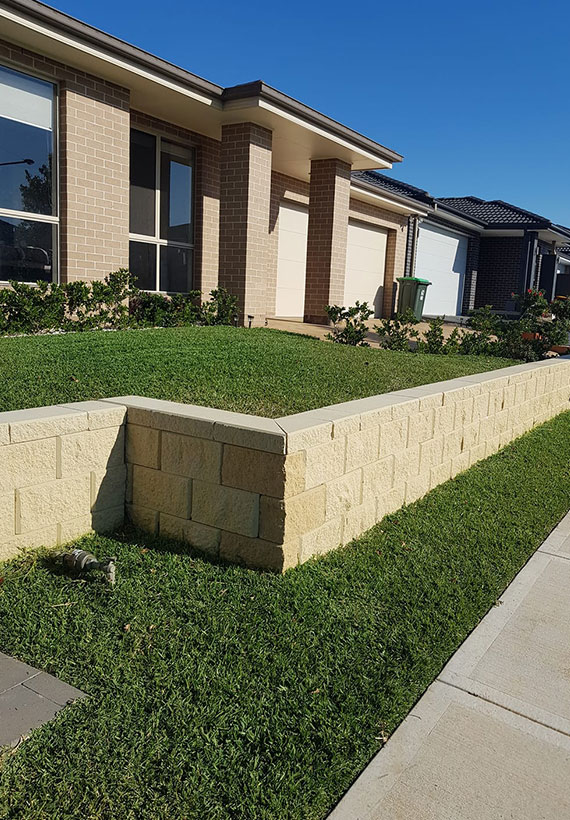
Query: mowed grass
[[220, 693], [259, 371]]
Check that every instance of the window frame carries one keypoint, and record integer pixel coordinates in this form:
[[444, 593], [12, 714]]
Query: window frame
[[53, 219], [156, 239]]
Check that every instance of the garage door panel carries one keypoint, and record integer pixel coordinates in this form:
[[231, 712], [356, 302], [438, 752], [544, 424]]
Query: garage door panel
[[441, 257], [291, 260], [365, 263]]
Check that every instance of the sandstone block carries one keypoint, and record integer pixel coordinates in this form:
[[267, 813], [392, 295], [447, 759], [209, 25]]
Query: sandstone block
[[192, 457], [407, 463], [204, 538], [444, 420], [463, 413], [343, 493], [391, 501], [7, 516], [480, 406], [260, 472], [160, 491], [478, 453], [143, 446], [431, 454], [393, 436], [496, 398], [322, 540], [325, 462], [452, 445], [460, 463], [88, 450], [4, 434], [254, 552], [108, 488], [357, 520], [143, 518], [52, 502], [31, 462], [377, 478], [225, 508], [44, 537], [282, 521], [362, 448], [420, 427], [416, 487], [439, 474], [305, 430]]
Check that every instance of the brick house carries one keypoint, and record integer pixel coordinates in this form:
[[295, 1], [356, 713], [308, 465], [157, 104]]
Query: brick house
[[111, 157], [478, 252]]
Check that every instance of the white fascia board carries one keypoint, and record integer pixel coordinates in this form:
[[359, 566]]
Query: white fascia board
[[379, 162], [100, 54], [384, 202], [459, 221]]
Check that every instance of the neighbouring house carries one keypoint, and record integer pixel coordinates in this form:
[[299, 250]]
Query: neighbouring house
[[477, 252], [111, 157]]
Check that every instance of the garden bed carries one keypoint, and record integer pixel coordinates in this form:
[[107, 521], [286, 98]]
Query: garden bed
[[259, 371], [220, 692]]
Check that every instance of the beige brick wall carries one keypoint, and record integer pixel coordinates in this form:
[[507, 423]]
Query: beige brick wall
[[328, 228], [93, 166], [63, 474], [245, 191]]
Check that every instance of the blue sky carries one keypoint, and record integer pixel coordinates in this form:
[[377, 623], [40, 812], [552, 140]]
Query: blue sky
[[474, 95]]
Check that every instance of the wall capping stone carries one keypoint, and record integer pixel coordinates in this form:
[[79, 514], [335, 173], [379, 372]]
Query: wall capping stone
[[270, 493]]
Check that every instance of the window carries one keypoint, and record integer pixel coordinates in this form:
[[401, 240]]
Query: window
[[28, 201], [161, 219]]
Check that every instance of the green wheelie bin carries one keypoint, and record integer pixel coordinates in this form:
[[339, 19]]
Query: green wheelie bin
[[412, 294]]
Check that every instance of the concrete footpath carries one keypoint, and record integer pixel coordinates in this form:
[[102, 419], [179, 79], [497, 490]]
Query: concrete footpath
[[490, 738]]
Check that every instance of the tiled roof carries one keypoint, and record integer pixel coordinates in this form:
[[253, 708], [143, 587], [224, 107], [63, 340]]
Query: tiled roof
[[393, 186], [493, 212]]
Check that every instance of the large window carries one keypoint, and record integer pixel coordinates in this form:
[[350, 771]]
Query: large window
[[28, 201], [161, 218]]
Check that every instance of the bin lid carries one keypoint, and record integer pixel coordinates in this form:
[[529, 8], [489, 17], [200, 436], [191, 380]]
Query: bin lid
[[413, 279]]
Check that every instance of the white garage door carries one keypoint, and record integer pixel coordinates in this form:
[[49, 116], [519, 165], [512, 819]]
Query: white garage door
[[291, 260], [365, 263], [441, 257]]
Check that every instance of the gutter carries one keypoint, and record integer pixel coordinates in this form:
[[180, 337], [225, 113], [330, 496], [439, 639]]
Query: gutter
[[388, 196]]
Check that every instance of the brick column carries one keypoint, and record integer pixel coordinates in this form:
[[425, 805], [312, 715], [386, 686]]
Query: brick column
[[245, 193], [329, 197], [94, 174]]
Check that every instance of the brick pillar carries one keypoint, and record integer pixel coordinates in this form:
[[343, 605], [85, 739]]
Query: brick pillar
[[206, 259], [329, 197], [94, 174], [245, 193]]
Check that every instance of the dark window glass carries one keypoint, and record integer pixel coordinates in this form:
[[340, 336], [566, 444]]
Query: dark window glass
[[26, 143], [175, 269], [26, 250], [175, 194], [142, 264], [143, 183]]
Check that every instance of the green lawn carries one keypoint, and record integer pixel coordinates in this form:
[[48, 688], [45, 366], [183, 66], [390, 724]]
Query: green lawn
[[265, 372], [220, 692]]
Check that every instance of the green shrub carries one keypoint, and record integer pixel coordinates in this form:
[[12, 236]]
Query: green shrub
[[396, 333], [113, 302], [353, 330]]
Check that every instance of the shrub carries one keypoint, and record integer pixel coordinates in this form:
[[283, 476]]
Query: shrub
[[354, 329], [222, 309], [113, 302], [396, 333]]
